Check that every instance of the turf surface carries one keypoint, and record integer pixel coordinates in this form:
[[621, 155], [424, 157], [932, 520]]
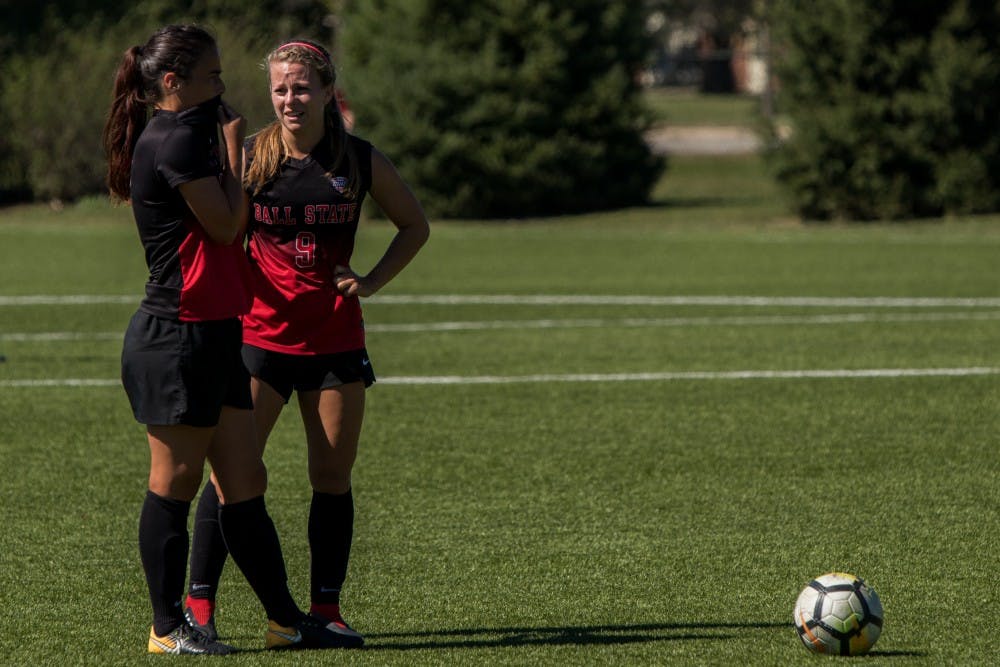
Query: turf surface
[[566, 507]]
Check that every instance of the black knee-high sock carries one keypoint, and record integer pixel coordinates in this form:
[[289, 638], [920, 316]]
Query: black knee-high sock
[[208, 548], [163, 546], [253, 544], [331, 528]]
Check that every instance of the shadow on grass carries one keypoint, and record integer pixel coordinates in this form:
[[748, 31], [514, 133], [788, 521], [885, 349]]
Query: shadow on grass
[[695, 202], [896, 654], [587, 635]]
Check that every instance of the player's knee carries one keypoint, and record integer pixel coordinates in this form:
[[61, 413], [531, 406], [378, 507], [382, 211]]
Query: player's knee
[[253, 480], [243, 481], [262, 477], [330, 479], [181, 482]]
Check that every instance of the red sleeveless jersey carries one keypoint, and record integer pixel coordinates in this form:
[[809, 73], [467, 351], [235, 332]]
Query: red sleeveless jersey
[[303, 224]]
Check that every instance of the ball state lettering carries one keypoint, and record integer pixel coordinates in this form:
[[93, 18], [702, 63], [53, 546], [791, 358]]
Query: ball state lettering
[[323, 214], [273, 215], [329, 213]]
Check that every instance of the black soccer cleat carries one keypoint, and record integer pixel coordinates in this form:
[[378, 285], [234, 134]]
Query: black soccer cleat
[[336, 623], [207, 628], [308, 632], [185, 640]]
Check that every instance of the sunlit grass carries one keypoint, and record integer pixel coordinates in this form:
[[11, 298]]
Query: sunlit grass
[[685, 107], [623, 522]]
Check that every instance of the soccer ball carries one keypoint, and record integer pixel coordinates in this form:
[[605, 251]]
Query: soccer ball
[[838, 614]]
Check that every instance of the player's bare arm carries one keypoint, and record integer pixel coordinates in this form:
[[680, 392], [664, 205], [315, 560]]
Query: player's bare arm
[[222, 212], [391, 193]]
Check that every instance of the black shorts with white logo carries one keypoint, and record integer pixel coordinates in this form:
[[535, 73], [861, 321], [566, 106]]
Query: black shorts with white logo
[[301, 372], [183, 372]]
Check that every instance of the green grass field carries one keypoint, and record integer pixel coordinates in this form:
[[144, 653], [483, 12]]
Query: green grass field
[[622, 438], [685, 107]]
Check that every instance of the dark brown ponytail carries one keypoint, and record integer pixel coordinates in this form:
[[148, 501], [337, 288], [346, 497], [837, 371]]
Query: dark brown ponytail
[[173, 48], [126, 120]]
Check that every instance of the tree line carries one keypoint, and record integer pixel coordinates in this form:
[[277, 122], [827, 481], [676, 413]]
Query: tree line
[[884, 109], [500, 108]]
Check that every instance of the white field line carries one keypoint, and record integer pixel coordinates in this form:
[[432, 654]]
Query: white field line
[[576, 299], [636, 300], [62, 382], [60, 336], [67, 299], [583, 323], [604, 377], [693, 375], [724, 321]]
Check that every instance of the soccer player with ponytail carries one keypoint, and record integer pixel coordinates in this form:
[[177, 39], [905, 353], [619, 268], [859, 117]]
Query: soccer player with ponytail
[[307, 178], [181, 360]]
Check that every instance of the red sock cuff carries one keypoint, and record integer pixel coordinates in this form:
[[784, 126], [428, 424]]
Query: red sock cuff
[[202, 609], [330, 612]]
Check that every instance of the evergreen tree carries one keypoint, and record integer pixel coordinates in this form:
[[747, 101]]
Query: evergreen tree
[[503, 108], [893, 106], [58, 66]]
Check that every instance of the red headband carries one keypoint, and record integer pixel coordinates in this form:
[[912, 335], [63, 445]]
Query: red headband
[[306, 45]]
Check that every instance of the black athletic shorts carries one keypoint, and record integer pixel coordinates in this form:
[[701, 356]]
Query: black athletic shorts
[[301, 372], [183, 372]]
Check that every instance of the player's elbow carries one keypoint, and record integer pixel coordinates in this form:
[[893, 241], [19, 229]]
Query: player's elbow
[[422, 232], [225, 232]]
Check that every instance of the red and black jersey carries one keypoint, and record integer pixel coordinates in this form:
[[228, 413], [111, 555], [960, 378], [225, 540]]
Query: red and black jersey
[[191, 278], [303, 224]]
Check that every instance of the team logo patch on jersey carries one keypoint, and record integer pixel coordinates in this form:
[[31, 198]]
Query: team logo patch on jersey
[[339, 183]]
